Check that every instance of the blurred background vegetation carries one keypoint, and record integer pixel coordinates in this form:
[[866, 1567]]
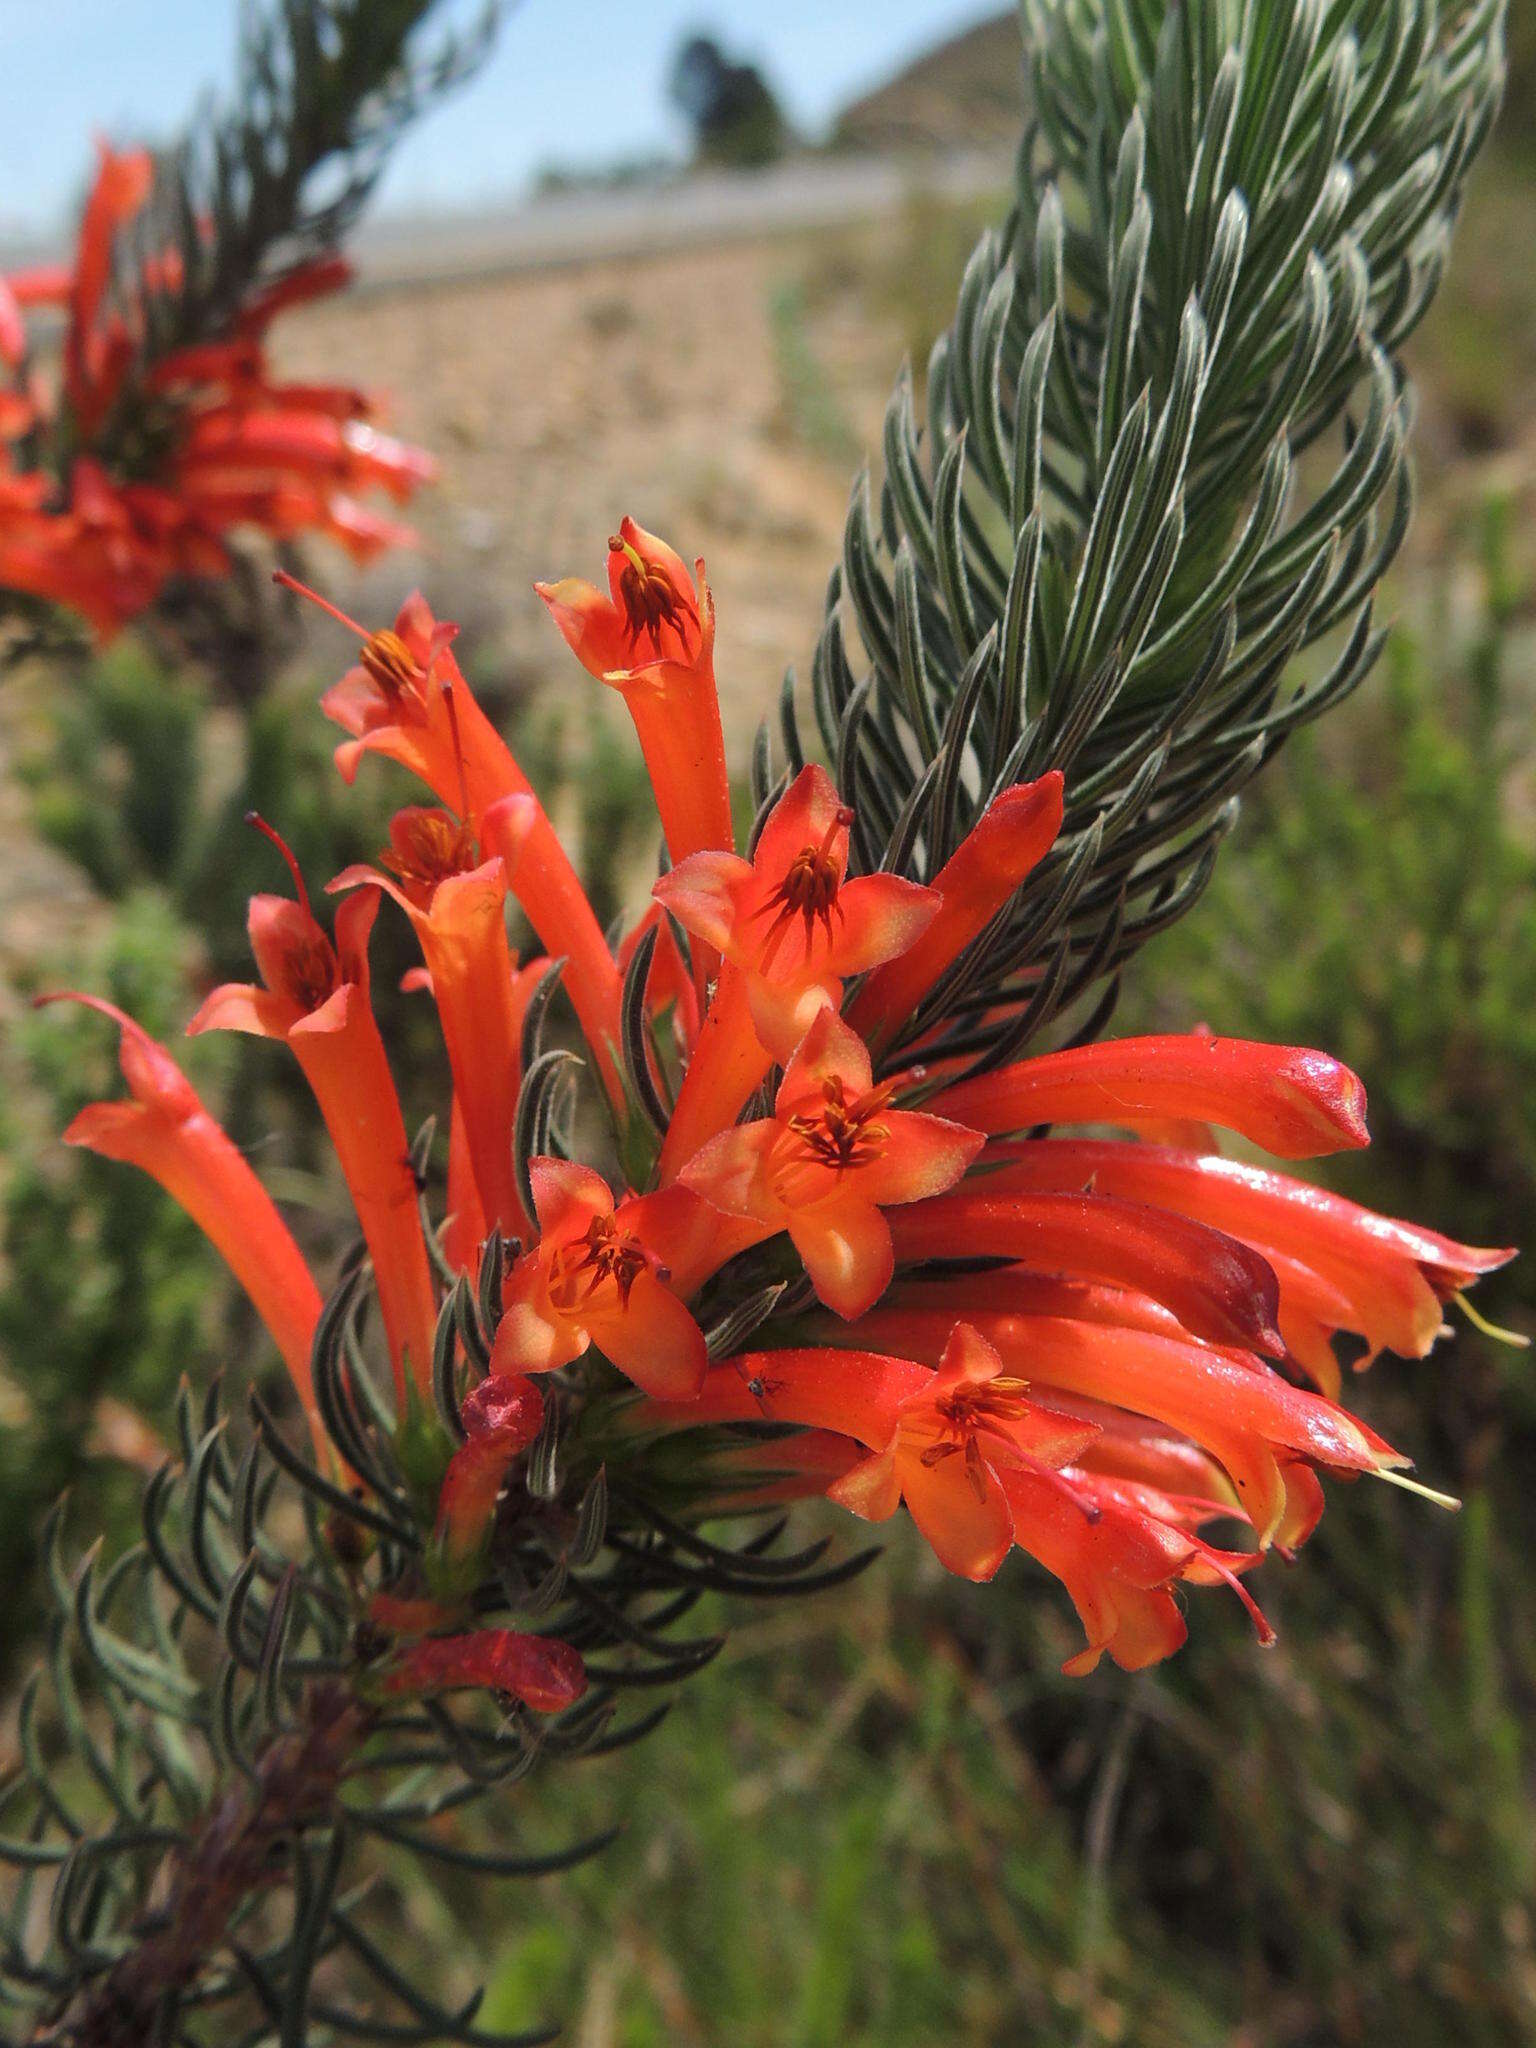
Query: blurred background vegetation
[[884, 1818]]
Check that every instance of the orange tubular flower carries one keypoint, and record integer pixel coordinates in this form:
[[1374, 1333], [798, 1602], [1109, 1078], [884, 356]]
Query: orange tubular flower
[[230, 447], [1118, 1550], [1286, 1099], [457, 907], [466, 1228], [315, 997], [789, 926], [598, 1276], [1257, 1426], [938, 1439], [1219, 1288], [652, 638], [544, 1674], [982, 1463], [1013, 834], [827, 1161], [407, 701], [501, 1416], [1332, 1255], [167, 1133], [93, 357], [954, 1438]]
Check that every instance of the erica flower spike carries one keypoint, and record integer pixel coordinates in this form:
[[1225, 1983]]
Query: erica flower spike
[[1092, 1347]]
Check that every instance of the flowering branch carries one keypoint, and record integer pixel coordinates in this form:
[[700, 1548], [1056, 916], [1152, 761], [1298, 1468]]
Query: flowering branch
[[166, 431], [837, 1238]]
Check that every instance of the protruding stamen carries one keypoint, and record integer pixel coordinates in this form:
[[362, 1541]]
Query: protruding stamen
[[1263, 1628], [303, 590], [270, 832], [605, 1253], [651, 599], [1517, 1339], [384, 654], [843, 1134], [1441, 1500], [426, 846]]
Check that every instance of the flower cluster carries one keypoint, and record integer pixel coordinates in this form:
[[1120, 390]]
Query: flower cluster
[[132, 467], [962, 1296]]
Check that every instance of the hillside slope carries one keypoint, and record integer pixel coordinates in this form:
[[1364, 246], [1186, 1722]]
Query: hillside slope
[[965, 93]]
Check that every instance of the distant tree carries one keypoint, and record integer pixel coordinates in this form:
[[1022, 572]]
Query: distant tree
[[730, 106]]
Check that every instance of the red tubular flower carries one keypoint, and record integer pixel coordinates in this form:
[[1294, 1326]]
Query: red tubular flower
[[1016, 831], [789, 926], [1289, 1100], [166, 1132], [1219, 1288], [313, 280], [122, 184], [954, 1438], [938, 1439], [407, 701], [502, 1416], [1394, 1276], [982, 1461], [832, 1155], [598, 1276], [466, 1228], [800, 1466], [457, 906], [1147, 1453], [652, 638], [230, 446], [544, 1674], [315, 997], [1255, 1424], [13, 329], [1118, 1559]]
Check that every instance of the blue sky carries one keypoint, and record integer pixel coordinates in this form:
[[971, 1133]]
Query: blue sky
[[569, 80]]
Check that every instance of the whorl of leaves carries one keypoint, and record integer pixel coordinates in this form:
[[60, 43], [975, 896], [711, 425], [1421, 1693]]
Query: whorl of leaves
[[1162, 454], [207, 1751]]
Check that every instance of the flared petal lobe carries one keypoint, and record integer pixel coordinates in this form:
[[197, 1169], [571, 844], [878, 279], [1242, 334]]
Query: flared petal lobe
[[1012, 836], [598, 1275], [825, 1163]]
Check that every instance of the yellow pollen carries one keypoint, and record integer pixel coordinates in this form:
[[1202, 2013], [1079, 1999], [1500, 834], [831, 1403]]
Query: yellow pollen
[[426, 846], [390, 663], [842, 1134]]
